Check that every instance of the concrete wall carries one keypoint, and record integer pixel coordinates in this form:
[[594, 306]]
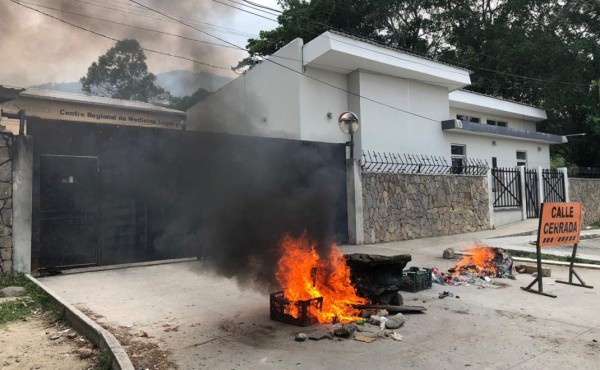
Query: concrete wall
[[586, 191], [407, 206], [262, 102], [6, 204]]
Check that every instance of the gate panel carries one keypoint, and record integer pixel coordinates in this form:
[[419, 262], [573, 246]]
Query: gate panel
[[507, 187], [554, 186], [531, 193], [68, 211]]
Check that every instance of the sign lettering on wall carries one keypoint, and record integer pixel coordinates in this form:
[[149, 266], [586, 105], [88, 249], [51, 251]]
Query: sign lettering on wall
[[85, 113]]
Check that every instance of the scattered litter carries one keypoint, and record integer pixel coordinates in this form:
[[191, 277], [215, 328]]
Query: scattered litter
[[142, 334], [436, 276], [300, 337], [396, 336], [382, 313], [320, 334], [445, 294], [364, 338], [382, 321], [594, 340]]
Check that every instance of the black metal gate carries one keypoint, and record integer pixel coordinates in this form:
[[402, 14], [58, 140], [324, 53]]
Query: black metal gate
[[506, 187], [532, 197], [554, 186], [107, 194], [68, 210]]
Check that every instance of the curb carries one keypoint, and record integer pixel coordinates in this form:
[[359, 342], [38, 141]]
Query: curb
[[94, 332]]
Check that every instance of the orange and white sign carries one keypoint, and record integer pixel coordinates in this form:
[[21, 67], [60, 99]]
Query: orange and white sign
[[560, 223]]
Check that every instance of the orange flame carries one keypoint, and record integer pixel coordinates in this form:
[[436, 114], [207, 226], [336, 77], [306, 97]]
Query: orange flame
[[478, 260], [304, 275]]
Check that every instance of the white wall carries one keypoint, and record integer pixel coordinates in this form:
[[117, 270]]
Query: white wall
[[505, 150], [317, 99], [262, 102], [384, 128], [519, 124]]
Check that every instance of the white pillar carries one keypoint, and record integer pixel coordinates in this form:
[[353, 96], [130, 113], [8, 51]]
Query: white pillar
[[523, 193], [540, 189], [565, 173], [22, 203], [492, 195], [355, 202]]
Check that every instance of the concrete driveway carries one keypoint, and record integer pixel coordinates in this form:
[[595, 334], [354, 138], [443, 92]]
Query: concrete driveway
[[208, 322]]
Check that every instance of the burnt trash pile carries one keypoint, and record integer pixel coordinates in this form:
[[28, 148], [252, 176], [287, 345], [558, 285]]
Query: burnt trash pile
[[478, 267]]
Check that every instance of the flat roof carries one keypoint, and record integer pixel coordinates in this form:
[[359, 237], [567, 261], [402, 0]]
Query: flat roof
[[97, 100], [8, 93], [334, 51], [498, 106]]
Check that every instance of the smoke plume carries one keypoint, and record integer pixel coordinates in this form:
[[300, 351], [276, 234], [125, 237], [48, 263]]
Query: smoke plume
[[38, 49]]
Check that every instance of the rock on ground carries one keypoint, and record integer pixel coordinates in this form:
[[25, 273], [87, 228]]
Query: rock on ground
[[13, 291], [395, 321]]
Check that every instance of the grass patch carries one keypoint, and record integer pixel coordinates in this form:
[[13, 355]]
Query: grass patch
[[36, 301], [104, 360], [550, 257]]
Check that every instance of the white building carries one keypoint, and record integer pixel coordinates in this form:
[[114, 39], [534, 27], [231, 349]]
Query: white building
[[407, 104]]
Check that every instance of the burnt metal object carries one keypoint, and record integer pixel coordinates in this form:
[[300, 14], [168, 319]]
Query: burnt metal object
[[378, 278], [279, 304]]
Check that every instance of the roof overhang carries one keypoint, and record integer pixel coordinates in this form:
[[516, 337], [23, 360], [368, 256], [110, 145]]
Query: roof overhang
[[9, 93], [57, 96], [342, 54], [463, 127], [495, 106]]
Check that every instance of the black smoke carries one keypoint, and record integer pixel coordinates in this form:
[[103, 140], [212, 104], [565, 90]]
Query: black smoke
[[165, 193]]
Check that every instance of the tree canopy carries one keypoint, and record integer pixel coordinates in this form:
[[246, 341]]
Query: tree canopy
[[541, 52], [122, 73]]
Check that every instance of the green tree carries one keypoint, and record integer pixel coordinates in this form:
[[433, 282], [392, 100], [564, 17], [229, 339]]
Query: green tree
[[185, 102], [122, 73]]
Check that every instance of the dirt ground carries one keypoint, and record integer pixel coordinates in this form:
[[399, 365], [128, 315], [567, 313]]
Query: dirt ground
[[27, 345]]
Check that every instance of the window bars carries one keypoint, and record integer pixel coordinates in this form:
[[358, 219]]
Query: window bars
[[373, 161]]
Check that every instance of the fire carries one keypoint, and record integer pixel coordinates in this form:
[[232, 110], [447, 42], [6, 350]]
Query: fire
[[479, 260], [304, 275]]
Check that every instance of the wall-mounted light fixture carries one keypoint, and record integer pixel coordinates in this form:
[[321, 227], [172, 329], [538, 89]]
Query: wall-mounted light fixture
[[329, 115], [539, 148], [493, 142]]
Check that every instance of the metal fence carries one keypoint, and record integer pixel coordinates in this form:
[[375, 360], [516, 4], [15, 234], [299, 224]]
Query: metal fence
[[373, 161], [507, 187], [585, 172]]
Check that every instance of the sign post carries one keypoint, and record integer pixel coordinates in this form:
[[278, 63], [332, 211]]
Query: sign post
[[560, 223]]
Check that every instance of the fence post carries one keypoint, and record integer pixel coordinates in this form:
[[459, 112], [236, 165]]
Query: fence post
[[355, 202], [540, 175], [565, 173], [491, 193], [22, 200], [523, 193]]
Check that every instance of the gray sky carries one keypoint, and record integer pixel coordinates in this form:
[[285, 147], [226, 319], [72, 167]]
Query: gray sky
[[35, 49]]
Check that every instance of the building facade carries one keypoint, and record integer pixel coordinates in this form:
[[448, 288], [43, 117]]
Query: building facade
[[406, 104]]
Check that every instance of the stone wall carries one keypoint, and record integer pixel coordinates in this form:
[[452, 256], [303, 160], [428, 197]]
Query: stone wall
[[586, 191], [6, 183], [408, 206]]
